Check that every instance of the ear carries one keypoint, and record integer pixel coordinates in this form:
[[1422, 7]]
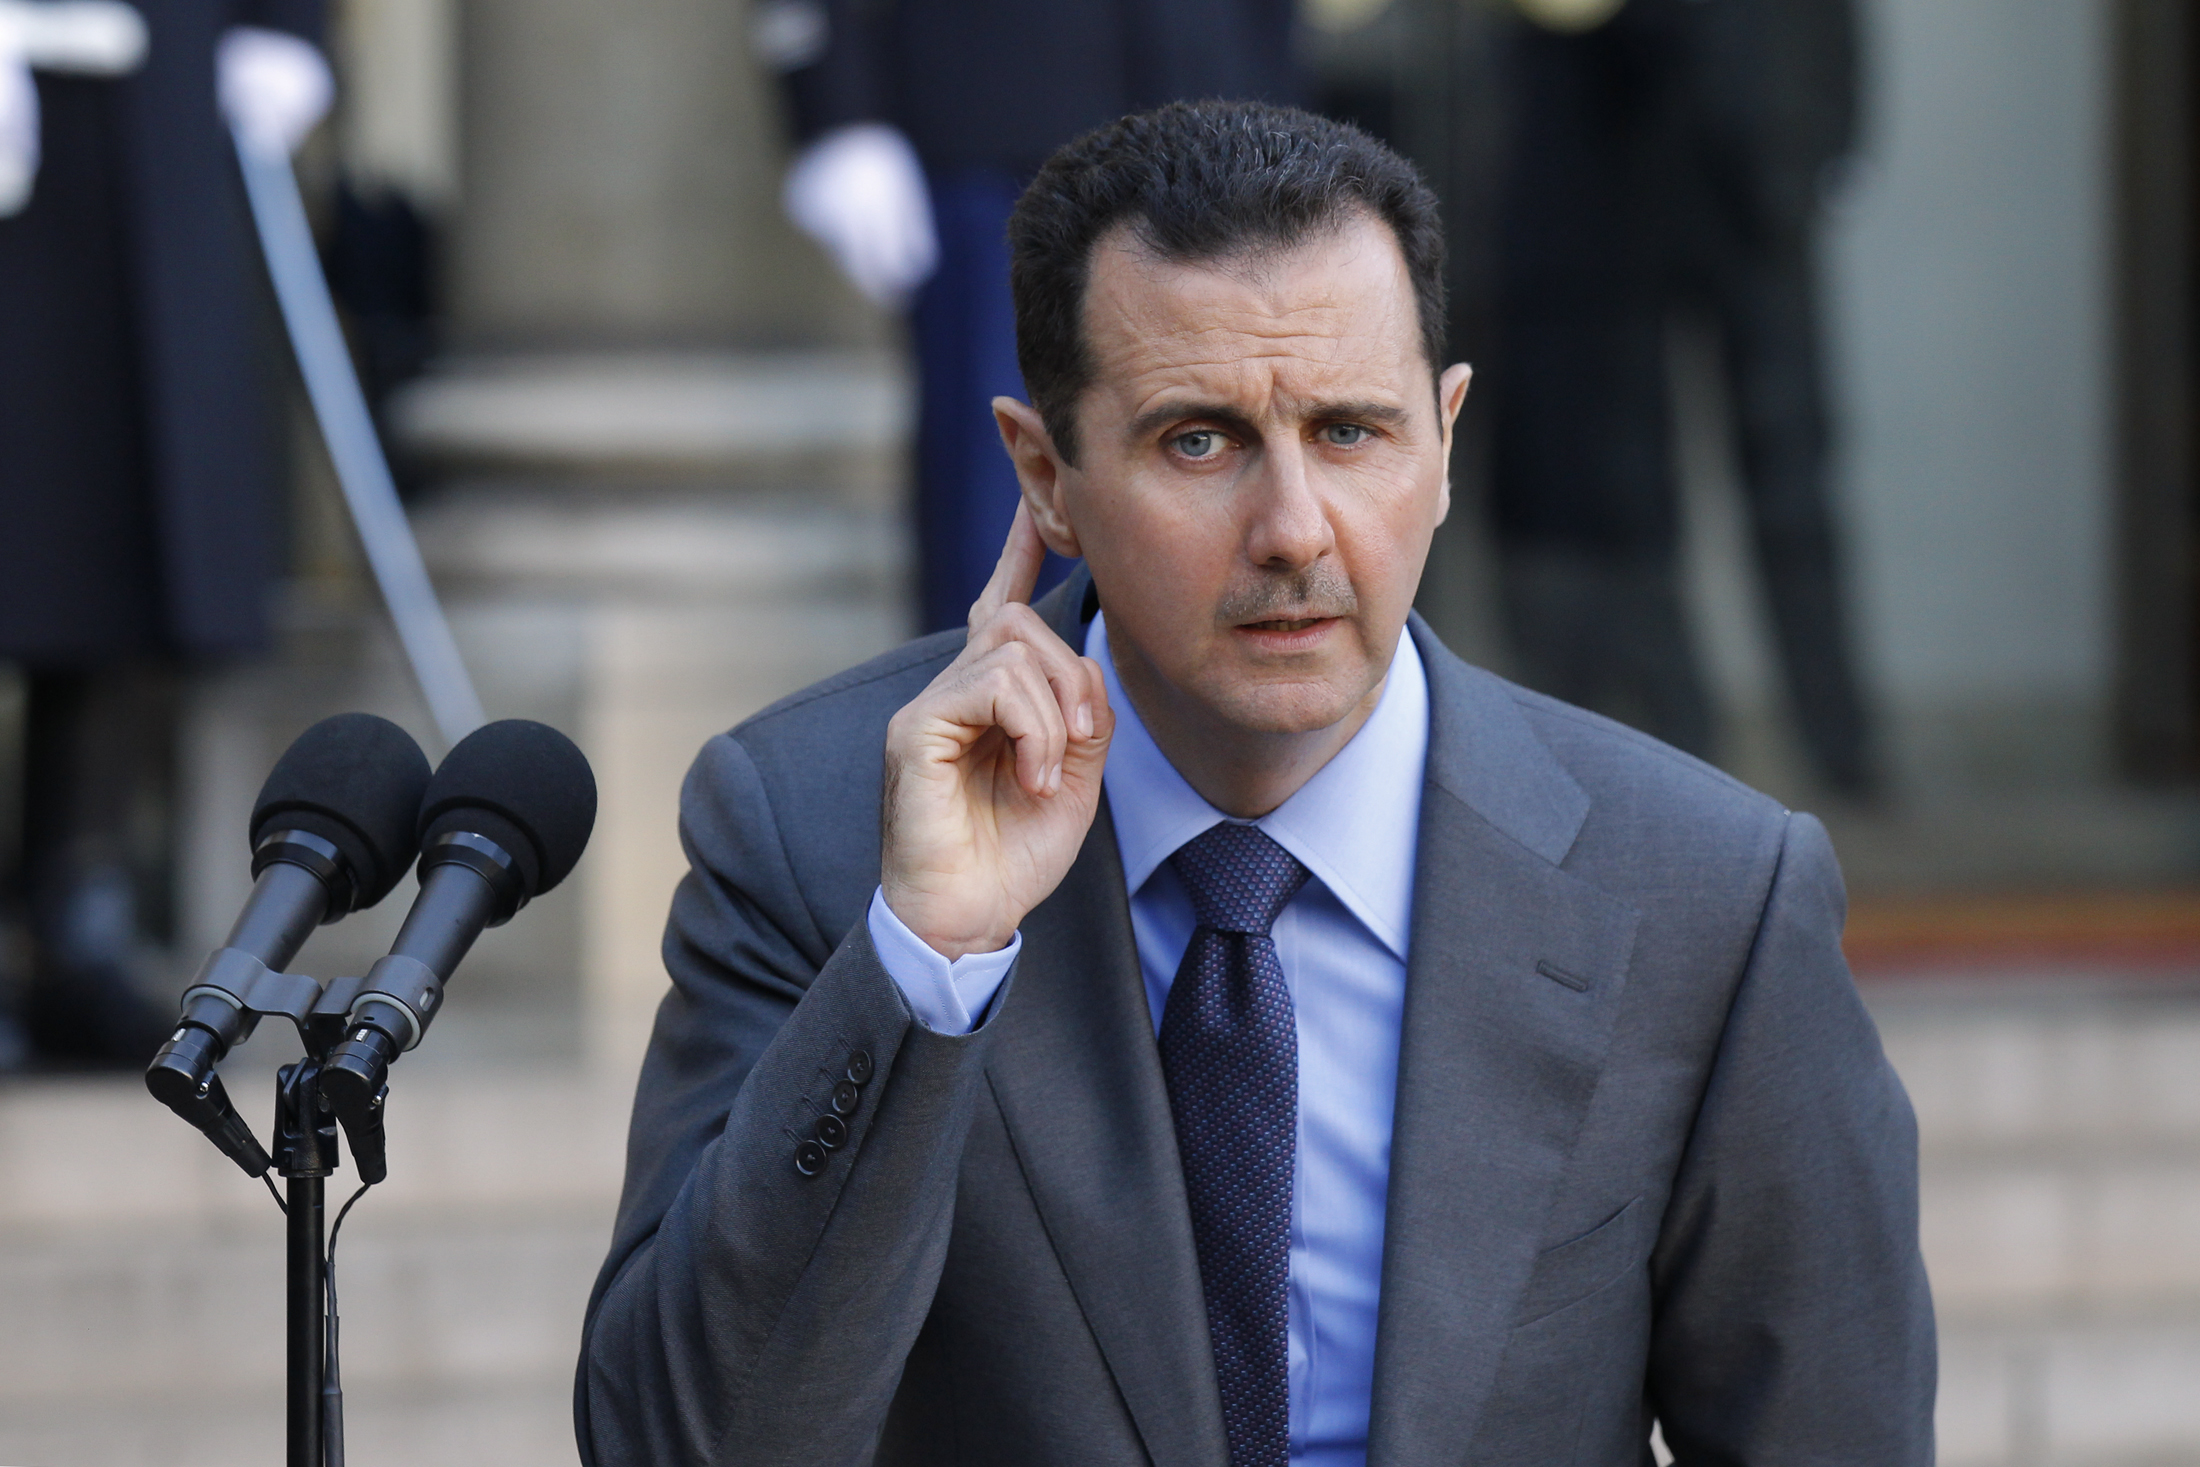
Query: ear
[[1040, 471], [1451, 395]]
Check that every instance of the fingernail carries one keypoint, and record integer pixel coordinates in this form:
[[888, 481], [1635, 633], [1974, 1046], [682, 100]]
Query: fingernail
[[1084, 720], [1054, 779]]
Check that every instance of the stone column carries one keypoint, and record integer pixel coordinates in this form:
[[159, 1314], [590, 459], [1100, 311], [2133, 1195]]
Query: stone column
[[620, 169]]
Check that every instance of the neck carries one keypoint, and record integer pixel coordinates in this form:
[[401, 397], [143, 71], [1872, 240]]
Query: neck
[[1242, 772]]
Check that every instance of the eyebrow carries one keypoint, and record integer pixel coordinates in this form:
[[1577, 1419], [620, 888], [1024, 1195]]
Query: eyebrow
[[1156, 418]]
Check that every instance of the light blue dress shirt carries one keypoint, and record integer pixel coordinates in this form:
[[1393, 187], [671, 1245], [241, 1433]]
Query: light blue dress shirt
[[1343, 945]]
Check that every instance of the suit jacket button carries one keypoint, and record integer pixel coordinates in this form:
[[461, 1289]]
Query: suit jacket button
[[831, 1132], [847, 1095], [859, 1067], [809, 1158]]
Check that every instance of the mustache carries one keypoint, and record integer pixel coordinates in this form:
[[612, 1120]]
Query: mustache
[[1320, 591]]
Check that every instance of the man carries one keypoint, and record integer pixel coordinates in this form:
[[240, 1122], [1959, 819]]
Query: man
[[1263, 1038], [1672, 156], [920, 121]]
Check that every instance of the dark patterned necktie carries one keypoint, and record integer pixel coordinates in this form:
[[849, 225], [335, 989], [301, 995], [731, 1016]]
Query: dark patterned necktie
[[1230, 1053]]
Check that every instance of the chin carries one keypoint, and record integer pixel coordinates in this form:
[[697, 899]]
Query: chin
[[1287, 708]]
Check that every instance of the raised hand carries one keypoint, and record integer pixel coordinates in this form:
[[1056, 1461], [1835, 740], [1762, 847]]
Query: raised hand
[[993, 772]]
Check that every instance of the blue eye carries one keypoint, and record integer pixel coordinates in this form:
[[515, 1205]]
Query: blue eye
[[1199, 443], [1345, 435]]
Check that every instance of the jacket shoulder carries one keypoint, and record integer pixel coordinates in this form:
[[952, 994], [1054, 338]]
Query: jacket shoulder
[[1693, 849], [852, 697], [1566, 782], [1612, 761], [1609, 803]]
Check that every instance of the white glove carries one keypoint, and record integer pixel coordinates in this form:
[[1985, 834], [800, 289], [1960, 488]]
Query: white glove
[[273, 88], [859, 191], [87, 37]]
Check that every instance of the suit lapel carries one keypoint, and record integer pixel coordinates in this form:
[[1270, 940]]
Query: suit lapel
[[1078, 1080], [1515, 974]]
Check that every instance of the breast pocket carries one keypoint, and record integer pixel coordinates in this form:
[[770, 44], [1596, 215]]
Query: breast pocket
[[1573, 1271]]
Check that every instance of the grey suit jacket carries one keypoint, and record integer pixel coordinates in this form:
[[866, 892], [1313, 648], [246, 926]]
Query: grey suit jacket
[[1649, 1160]]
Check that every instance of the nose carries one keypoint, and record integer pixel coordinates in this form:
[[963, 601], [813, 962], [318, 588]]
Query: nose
[[1288, 528]]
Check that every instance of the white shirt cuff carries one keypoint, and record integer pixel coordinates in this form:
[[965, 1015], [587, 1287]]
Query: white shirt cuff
[[946, 997]]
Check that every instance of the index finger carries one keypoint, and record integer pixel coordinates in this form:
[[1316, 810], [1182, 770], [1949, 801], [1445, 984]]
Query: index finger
[[1016, 572]]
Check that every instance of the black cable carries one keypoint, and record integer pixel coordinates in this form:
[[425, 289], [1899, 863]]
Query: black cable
[[332, 1381], [334, 1229], [276, 1193]]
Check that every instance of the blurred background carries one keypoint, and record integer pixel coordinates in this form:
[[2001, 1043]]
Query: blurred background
[[1833, 418]]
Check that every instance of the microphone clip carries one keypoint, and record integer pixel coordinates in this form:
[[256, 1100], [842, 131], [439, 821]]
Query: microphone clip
[[226, 1001]]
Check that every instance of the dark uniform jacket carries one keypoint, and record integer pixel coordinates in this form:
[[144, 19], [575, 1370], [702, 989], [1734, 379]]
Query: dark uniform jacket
[[140, 510], [1000, 84]]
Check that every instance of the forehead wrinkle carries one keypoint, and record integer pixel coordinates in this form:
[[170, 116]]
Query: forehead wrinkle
[[1341, 373], [1328, 331], [1251, 290], [1264, 314], [1230, 345]]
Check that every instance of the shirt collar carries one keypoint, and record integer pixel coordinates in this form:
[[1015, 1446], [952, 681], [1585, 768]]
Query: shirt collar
[[1355, 825]]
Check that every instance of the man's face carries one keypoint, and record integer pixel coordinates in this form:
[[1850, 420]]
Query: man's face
[[1261, 467]]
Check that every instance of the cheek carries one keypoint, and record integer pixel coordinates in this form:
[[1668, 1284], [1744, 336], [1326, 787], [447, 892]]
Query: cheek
[[1384, 525], [1147, 534], [1394, 498]]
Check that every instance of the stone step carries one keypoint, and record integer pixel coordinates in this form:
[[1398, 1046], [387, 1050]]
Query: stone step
[[839, 418], [2060, 1136], [2055, 1060], [78, 1156], [136, 1263], [486, 1300], [2072, 1392], [532, 543], [2023, 1236], [470, 1424]]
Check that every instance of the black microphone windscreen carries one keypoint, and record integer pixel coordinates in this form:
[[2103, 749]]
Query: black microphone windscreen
[[526, 787], [356, 781]]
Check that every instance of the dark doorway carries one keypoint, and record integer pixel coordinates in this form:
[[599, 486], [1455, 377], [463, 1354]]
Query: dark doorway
[[2157, 139]]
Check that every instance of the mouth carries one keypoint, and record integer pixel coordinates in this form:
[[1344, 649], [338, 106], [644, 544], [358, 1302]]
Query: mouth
[[1285, 636]]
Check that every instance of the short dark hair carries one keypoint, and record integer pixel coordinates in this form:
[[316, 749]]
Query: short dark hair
[[1199, 181]]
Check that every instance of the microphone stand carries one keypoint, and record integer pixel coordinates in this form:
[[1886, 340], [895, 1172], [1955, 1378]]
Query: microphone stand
[[305, 1155]]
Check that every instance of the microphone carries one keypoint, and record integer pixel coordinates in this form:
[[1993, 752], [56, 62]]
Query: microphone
[[503, 821], [332, 831]]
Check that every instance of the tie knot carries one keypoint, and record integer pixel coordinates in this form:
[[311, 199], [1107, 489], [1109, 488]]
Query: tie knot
[[1240, 880]]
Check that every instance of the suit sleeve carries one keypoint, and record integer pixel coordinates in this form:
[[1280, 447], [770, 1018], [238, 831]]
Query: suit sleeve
[[1793, 1319], [755, 1296]]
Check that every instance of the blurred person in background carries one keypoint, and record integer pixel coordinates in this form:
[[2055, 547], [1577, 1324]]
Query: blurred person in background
[[140, 482], [1668, 155], [918, 124]]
